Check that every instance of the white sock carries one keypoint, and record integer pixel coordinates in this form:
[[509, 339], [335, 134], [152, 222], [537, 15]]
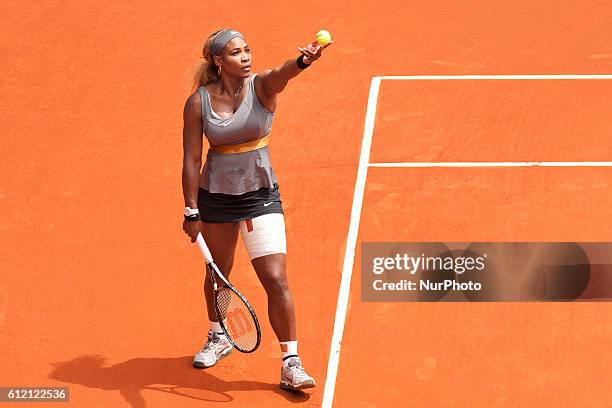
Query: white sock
[[288, 348], [216, 327]]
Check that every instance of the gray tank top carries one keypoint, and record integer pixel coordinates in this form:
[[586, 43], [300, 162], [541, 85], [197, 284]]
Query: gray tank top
[[237, 173]]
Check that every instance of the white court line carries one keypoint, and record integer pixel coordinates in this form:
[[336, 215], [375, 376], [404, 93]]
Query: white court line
[[489, 77], [366, 143], [351, 241], [495, 164]]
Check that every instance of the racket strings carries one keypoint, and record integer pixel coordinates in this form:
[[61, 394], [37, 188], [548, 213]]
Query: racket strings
[[237, 319]]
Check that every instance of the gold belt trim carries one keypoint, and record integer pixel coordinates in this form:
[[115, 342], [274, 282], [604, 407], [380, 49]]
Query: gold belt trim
[[241, 147]]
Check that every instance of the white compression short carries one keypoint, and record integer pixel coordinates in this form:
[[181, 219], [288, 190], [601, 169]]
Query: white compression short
[[264, 235]]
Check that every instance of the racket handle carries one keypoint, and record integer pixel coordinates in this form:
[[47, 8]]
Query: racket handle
[[204, 248]]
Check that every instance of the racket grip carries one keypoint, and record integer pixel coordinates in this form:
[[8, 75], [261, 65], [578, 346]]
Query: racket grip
[[204, 248]]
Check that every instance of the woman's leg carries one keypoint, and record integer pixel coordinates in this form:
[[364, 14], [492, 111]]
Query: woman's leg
[[221, 240], [264, 237], [271, 271]]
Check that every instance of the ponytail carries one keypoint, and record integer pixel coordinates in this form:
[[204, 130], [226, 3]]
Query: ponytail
[[207, 71]]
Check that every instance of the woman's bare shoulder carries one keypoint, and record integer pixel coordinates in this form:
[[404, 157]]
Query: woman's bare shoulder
[[193, 103]]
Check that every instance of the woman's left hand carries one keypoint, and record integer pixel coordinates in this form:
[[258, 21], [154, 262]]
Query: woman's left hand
[[312, 51]]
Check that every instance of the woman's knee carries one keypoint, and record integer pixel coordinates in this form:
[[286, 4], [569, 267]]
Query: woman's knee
[[275, 282], [225, 267]]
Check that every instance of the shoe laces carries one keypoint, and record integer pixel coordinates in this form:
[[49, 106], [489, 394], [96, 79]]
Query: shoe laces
[[296, 369], [213, 339]]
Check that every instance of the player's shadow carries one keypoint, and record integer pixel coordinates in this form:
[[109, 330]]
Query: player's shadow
[[170, 375]]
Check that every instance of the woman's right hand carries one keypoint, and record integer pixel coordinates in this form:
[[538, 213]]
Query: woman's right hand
[[192, 228], [312, 51]]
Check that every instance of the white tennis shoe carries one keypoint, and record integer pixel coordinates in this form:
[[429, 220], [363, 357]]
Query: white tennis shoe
[[214, 350], [293, 376]]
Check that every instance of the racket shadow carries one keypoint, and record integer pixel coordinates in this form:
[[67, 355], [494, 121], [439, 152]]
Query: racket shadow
[[174, 375]]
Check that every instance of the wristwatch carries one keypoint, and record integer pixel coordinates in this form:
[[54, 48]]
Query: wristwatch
[[192, 214]]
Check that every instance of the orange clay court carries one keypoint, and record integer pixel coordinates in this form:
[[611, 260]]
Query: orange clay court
[[101, 291]]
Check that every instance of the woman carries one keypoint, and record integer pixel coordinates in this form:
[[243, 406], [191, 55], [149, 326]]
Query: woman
[[237, 190]]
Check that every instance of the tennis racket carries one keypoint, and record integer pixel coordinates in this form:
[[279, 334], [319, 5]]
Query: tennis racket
[[236, 316]]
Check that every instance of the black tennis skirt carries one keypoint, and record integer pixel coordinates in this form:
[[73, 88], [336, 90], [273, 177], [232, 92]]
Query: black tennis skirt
[[217, 207]]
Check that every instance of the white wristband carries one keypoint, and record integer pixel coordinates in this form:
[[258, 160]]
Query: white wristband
[[191, 211]]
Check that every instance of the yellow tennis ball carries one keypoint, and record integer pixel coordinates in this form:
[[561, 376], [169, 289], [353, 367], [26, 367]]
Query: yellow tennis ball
[[323, 37]]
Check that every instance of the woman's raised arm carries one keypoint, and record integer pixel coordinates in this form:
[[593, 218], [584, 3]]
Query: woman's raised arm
[[275, 80]]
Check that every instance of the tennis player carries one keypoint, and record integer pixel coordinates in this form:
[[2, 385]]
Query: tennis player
[[237, 190]]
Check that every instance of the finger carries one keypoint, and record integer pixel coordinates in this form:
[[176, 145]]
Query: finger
[[309, 49], [306, 52], [312, 47]]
